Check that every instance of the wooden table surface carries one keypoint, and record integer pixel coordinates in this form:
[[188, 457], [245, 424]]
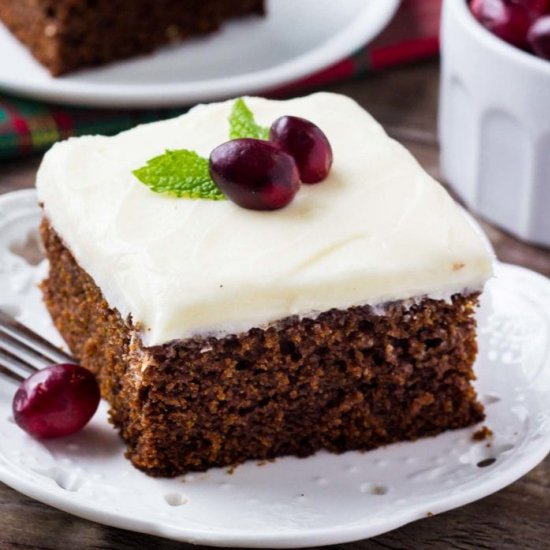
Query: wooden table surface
[[405, 101]]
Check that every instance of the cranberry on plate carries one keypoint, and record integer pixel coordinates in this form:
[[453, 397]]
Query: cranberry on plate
[[56, 401]]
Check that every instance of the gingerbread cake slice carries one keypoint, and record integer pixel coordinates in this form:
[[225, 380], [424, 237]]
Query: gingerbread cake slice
[[65, 35], [344, 320]]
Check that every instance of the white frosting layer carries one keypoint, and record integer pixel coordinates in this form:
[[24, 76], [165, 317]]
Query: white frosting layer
[[377, 229]]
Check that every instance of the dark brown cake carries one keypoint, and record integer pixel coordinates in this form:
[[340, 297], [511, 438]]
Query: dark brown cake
[[65, 35], [349, 379]]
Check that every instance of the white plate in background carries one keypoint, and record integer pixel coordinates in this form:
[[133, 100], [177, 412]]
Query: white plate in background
[[247, 56]]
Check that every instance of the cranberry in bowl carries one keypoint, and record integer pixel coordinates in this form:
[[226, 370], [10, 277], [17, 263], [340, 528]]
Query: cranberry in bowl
[[494, 123]]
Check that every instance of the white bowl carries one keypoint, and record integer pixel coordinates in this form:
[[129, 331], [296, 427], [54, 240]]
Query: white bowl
[[494, 125]]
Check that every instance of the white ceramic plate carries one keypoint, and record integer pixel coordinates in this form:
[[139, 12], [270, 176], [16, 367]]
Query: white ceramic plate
[[247, 56], [324, 499]]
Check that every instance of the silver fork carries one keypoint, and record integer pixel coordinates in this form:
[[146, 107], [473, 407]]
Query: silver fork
[[23, 351]]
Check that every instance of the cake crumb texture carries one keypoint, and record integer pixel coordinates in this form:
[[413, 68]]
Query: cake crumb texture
[[65, 35], [348, 379], [482, 434]]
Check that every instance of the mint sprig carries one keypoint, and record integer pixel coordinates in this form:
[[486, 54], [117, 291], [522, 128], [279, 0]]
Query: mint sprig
[[181, 173], [184, 174], [242, 123]]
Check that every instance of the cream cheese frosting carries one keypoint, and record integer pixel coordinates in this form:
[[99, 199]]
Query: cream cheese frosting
[[377, 229]]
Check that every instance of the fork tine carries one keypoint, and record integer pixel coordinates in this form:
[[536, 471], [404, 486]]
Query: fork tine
[[22, 348], [28, 337], [6, 371], [16, 360]]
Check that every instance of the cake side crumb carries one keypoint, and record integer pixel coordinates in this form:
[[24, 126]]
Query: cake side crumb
[[482, 434]]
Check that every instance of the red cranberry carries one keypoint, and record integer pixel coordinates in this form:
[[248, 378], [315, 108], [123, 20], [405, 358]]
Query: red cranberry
[[537, 7], [307, 143], [507, 20], [56, 401], [539, 37], [255, 174]]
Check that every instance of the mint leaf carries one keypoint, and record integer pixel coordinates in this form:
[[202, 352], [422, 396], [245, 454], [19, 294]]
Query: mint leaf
[[242, 123], [181, 173]]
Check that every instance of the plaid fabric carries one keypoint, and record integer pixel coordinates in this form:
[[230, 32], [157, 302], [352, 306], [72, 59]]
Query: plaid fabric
[[28, 127]]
